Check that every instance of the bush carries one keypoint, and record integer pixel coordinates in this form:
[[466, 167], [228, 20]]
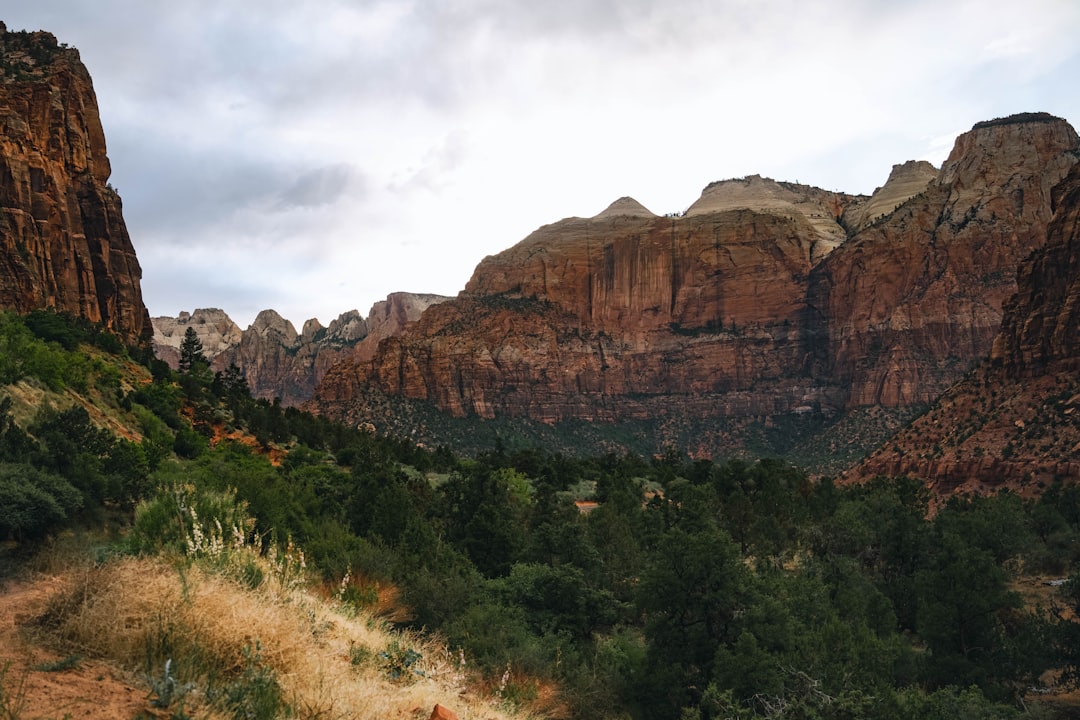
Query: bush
[[33, 502]]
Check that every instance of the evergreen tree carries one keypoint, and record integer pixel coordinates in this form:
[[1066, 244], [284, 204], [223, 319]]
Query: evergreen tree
[[191, 351]]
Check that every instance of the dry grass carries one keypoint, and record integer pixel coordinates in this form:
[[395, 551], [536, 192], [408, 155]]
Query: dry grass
[[137, 612]]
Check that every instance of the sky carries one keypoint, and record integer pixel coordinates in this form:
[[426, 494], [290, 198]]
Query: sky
[[313, 156]]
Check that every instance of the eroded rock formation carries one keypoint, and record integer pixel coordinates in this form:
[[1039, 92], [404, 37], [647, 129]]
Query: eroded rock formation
[[912, 302], [216, 331], [1041, 329], [1015, 420], [275, 359], [595, 318], [763, 299], [63, 242]]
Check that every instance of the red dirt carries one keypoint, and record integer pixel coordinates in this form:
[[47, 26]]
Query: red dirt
[[92, 690]]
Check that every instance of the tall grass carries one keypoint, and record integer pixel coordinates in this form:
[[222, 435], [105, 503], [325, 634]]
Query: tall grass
[[218, 635]]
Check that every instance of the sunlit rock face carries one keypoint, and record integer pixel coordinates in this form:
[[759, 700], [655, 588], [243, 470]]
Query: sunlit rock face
[[763, 298], [275, 359], [63, 242]]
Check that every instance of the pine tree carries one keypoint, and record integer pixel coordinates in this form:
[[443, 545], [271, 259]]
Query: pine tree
[[191, 351]]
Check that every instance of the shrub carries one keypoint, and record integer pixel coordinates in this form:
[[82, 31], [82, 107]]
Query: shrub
[[33, 502]]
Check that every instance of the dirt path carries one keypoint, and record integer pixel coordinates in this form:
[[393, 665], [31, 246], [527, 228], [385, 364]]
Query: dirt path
[[91, 690]]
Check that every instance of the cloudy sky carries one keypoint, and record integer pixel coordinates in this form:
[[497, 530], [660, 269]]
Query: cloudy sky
[[312, 156]]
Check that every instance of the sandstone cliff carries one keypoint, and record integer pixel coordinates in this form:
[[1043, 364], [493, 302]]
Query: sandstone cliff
[[906, 306], [216, 331], [389, 317], [764, 299], [1014, 420], [595, 318], [275, 359], [905, 182], [1041, 329], [63, 242]]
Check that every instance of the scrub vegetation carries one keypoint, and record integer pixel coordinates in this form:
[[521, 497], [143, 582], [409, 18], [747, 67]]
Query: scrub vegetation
[[263, 562]]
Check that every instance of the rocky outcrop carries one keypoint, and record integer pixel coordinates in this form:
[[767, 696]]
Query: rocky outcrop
[[275, 359], [63, 242], [905, 182], [216, 331], [390, 316], [1015, 420], [820, 209], [908, 305], [763, 299], [1041, 329]]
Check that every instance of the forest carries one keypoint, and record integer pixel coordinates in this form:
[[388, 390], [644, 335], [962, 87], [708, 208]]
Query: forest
[[640, 587]]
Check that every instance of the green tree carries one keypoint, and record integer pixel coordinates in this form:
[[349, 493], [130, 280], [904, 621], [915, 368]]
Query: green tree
[[961, 598], [32, 502], [692, 592], [191, 351]]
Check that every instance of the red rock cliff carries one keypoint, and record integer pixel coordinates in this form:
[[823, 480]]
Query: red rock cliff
[[1041, 329], [626, 314], [765, 298], [1013, 421], [63, 242], [276, 360], [908, 305]]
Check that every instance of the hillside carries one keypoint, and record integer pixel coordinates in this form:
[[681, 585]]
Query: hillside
[[233, 559]]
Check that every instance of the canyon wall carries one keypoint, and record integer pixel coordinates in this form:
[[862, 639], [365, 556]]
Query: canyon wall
[[1014, 421], [63, 242], [763, 299], [275, 359]]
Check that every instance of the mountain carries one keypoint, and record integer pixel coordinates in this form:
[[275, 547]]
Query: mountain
[[765, 303], [275, 359], [1015, 420], [63, 239]]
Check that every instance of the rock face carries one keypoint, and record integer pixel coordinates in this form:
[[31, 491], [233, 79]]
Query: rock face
[[63, 242], [390, 316], [1041, 329], [215, 330], [911, 303], [275, 359], [820, 209], [763, 299], [596, 318], [905, 182], [1015, 420]]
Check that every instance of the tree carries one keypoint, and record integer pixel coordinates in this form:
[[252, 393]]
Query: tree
[[191, 351], [693, 591]]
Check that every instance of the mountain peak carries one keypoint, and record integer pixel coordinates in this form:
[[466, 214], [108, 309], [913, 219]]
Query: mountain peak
[[623, 207]]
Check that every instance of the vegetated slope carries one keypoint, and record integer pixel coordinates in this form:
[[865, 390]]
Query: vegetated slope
[[1015, 420], [762, 306], [92, 437], [142, 637], [63, 242], [681, 588]]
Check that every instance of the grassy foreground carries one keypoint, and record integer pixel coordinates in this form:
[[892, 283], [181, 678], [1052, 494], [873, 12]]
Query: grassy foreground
[[230, 636]]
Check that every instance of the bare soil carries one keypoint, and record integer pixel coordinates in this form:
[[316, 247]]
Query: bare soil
[[90, 690]]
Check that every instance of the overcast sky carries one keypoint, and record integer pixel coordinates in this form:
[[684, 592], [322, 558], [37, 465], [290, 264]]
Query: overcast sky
[[313, 156]]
